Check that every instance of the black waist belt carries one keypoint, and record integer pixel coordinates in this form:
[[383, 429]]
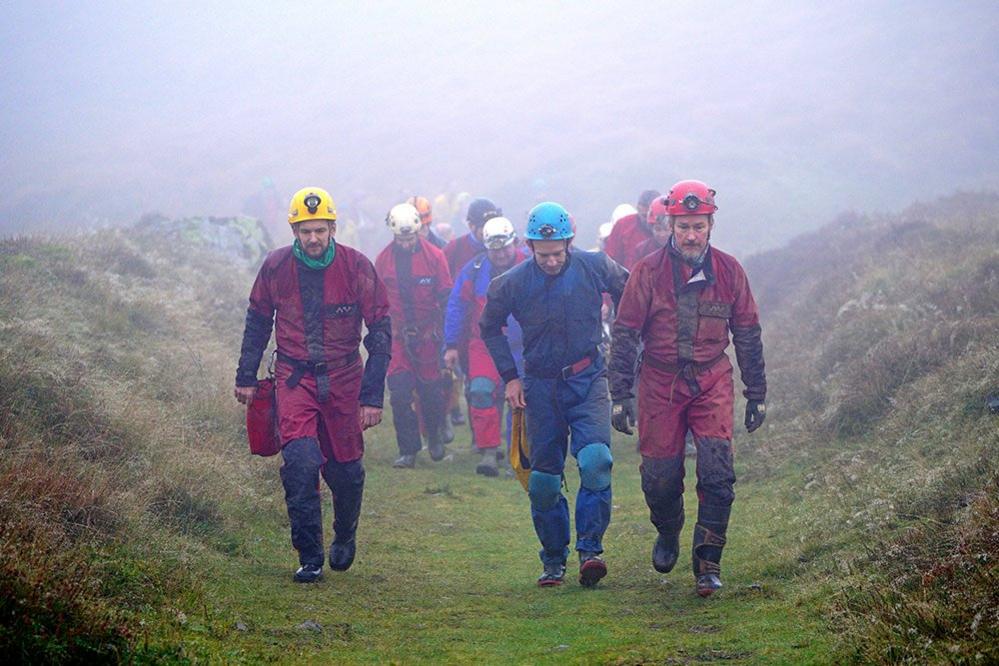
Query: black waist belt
[[689, 369], [567, 371], [300, 367]]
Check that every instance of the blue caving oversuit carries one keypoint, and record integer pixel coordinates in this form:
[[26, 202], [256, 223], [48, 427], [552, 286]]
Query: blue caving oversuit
[[565, 388]]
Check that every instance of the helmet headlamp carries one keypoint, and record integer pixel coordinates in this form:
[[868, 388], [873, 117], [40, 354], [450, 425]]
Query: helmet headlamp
[[312, 203]]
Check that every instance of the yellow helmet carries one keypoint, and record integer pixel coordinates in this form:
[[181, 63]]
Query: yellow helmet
[[311, 203]]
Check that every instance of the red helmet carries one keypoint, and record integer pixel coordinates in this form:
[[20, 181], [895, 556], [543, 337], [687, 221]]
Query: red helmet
[[657, 211], [690, 197]]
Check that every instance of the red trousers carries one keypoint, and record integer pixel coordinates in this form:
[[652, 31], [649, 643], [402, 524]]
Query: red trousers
[[484, 386], [335, 422], [666, 409]]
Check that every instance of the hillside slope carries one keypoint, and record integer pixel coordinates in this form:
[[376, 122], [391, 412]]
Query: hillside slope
[[133, 525], [882, 344], [117, 433]]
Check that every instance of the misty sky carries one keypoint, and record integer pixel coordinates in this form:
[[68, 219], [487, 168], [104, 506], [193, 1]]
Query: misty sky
[[792, 111]]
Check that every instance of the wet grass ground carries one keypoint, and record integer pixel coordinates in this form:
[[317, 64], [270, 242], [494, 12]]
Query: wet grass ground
[[446, 571]]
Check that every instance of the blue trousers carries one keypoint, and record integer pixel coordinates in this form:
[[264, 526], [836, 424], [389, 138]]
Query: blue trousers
[[568, 414]]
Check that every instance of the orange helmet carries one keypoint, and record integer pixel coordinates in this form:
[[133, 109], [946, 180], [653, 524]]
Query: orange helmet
[[422, 204]]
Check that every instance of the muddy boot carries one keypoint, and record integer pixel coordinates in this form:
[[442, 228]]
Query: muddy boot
[[663, 488], [342, 554], [457, 418], [666, 551], [591, 568], [405, 461], [447, 432], [487, 466], [709, 539], [436, 448], [554, 574], [347, 482]]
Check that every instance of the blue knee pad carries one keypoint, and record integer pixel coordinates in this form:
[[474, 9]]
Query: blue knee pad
[[543, 490], [595, 463], [480, 393]]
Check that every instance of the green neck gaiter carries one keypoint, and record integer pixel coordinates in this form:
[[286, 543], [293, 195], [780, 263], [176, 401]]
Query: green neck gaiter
[[314, 264]]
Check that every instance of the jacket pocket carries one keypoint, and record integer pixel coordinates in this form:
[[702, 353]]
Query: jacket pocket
[[712, 320]]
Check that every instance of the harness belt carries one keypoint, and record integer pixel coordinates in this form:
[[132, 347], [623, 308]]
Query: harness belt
[[300, 367], [566, 372], [688, 370]]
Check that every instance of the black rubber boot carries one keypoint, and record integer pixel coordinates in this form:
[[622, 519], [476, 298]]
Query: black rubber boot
[[709, 540], [436, 448], [666, 551], [342, 554], [662, 483], [487, 466], [347, 482]]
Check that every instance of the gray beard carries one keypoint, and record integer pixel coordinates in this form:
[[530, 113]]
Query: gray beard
[[694, 261]]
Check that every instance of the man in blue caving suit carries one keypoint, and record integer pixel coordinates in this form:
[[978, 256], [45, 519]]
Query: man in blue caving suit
[[556, 299]]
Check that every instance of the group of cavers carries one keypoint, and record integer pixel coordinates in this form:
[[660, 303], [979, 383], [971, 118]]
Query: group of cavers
[[521, 323]]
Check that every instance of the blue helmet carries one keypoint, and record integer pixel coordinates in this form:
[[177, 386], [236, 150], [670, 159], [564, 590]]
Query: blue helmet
[[549, 221]]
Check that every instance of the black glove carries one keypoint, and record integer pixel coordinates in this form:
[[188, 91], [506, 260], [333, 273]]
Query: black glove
[[756, 412], [623, 415]]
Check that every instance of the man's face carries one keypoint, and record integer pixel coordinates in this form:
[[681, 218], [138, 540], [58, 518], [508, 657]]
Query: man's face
[[314, 236], [660, 231], [503, 257], [551, 255], [407, 242], [476, 231], [643, 213], [692, 234], [424, 230]]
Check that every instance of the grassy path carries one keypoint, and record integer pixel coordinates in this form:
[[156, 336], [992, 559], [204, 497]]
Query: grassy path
[[445, 574]]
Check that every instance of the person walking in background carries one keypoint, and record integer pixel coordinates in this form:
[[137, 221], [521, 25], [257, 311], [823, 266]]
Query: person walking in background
[[464, 309], [658, 223], [459, 252], [556, 299], [320, 292], [422, 204], [464, 248], [418, 285], [630, 231], [681, 302]]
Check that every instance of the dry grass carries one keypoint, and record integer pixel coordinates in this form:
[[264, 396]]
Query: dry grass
[[882, 339], [115, 434]]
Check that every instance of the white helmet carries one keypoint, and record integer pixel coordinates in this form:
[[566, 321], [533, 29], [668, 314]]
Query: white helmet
[[403, 220], [605, 230], [497, 233], [623, 210]]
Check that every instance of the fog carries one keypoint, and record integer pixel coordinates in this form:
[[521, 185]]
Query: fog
[[793, 112]]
